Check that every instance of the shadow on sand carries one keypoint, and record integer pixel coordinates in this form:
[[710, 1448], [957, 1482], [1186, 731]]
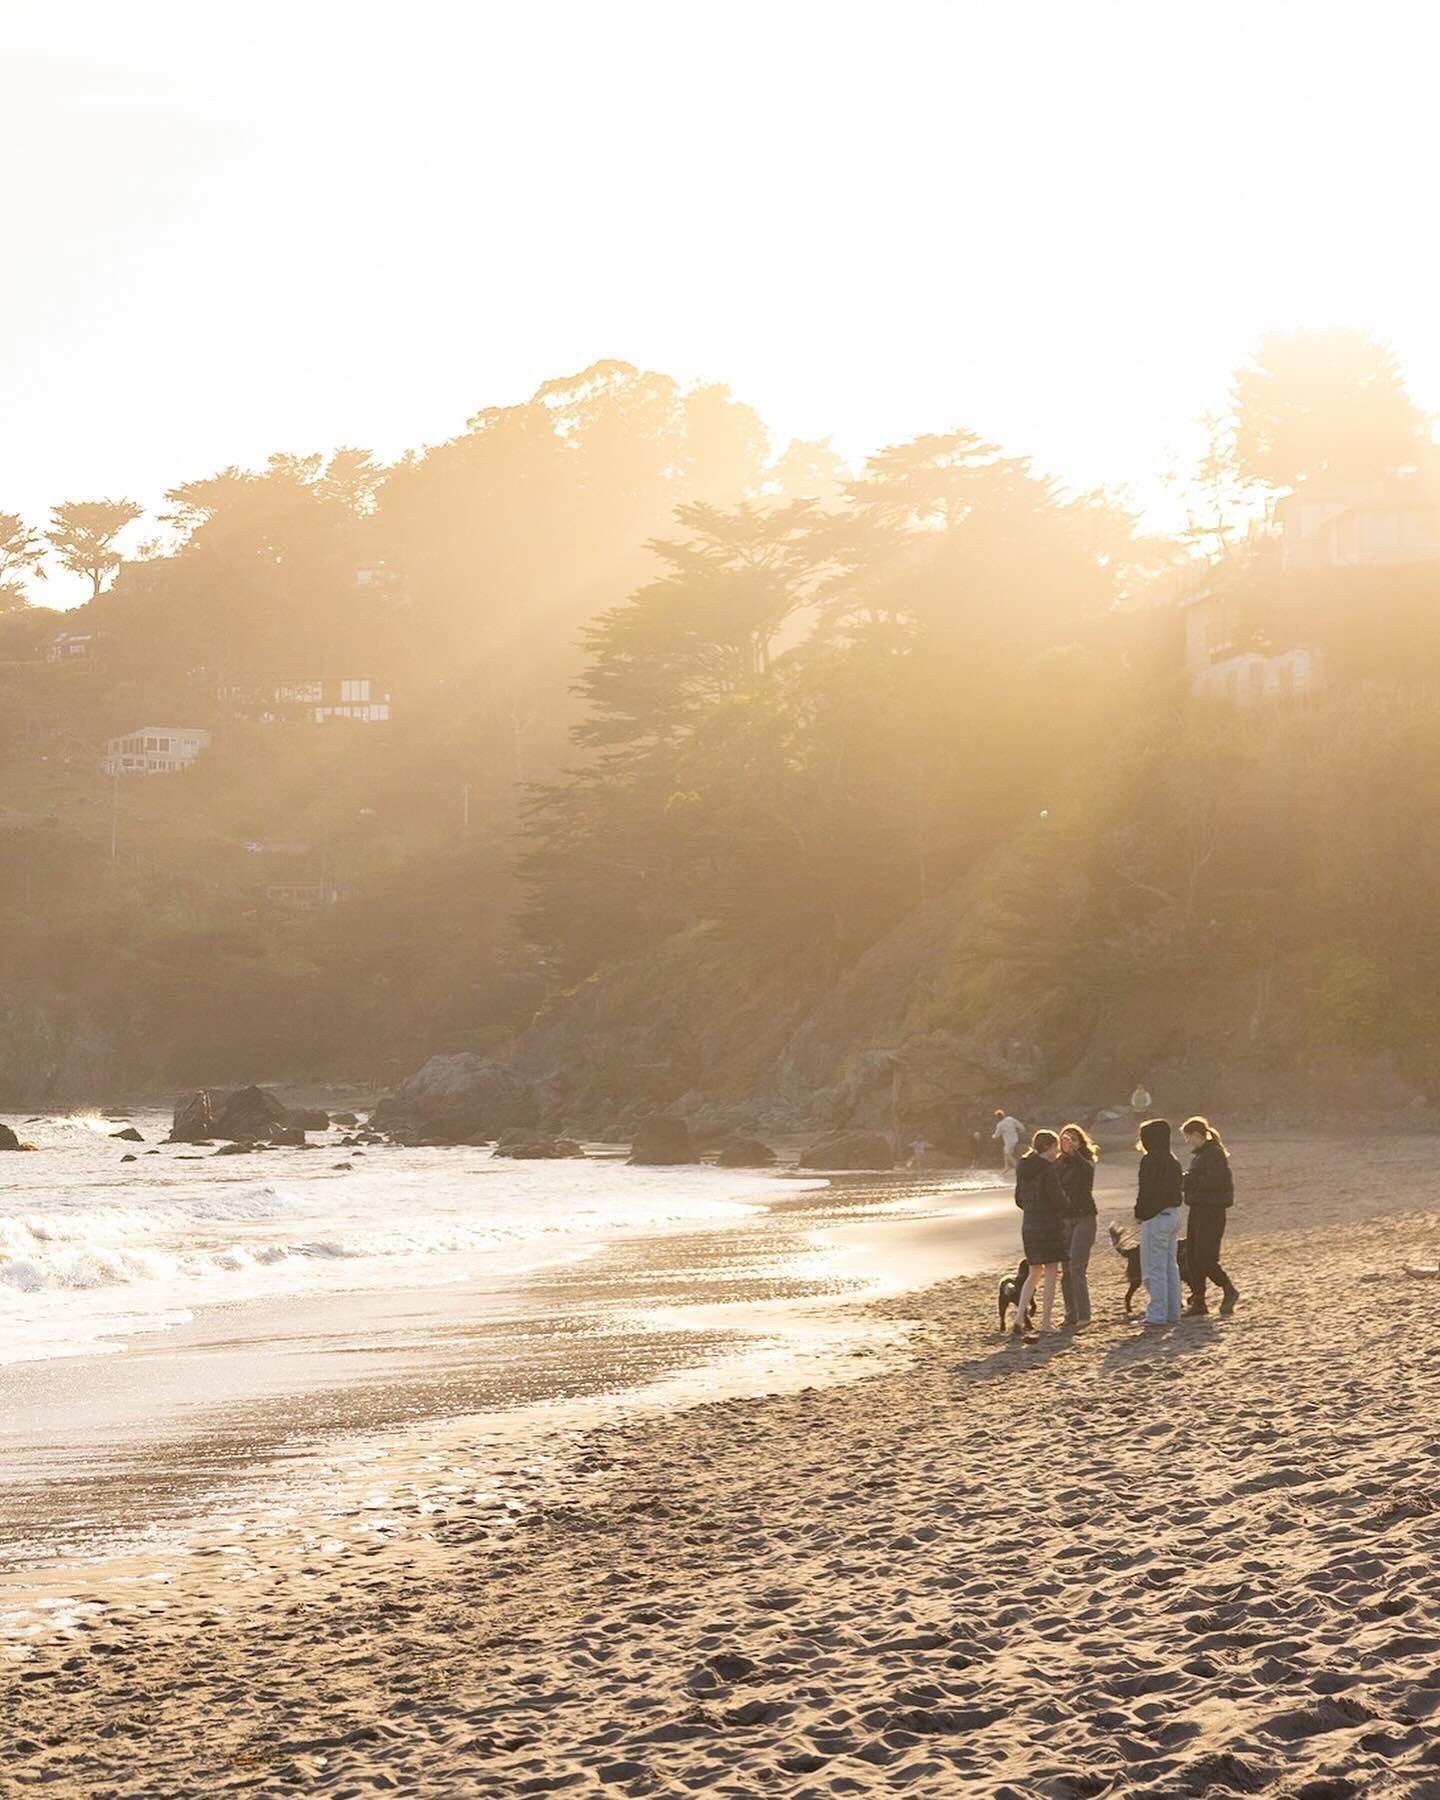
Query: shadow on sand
[[1146, 1351]]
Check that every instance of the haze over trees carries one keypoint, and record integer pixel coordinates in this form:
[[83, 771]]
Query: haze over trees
[[663, 690]]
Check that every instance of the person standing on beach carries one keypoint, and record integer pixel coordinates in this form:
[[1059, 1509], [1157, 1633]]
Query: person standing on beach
[[1157, 1207], [1209, 1195], [1041, 1200], [1078, 1155], [1009, 1130]]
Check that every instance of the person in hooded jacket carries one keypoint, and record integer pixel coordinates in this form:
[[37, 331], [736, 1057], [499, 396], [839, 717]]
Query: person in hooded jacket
[[1157, 1207], [1079, 1154], [1041, 1200], [1209, 1195]]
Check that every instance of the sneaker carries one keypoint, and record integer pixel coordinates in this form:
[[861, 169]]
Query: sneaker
[[1227, 1305]]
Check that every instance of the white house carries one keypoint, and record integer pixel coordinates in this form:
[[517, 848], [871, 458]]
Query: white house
[[154, 750], [350, 697], [356, 697], [1371, 526], [71, 646], [1381, 524]]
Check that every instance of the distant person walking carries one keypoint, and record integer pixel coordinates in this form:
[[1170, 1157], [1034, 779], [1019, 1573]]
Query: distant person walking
[[1157, 1207], [1009, 1130], [1209, 1195], [1079, 1154], [1041, 1200]]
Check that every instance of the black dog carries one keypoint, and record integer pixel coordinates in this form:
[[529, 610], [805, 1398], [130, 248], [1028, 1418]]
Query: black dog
[[1010, 1286], [1131, 1253]]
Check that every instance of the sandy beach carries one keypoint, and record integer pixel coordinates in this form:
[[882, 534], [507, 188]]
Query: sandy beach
[[1201, 1562]]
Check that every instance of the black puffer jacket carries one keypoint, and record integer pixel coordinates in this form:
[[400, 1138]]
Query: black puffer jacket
[[1077, 1180], [1208, 1180], [1041, 1199]]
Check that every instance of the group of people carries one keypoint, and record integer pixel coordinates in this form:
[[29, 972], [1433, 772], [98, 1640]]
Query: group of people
[[1055, 1191]]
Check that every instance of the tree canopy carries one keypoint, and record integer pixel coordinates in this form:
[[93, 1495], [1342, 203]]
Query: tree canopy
[[1317, 406]]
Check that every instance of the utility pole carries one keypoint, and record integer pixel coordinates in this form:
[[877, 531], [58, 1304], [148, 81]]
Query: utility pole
[[115, 813], [465, 806]]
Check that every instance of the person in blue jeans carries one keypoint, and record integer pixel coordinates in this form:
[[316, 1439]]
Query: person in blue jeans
[[1157, 1207]]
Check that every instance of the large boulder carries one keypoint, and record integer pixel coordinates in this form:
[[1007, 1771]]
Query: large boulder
[[461, 1099], [193, 1121], [128, 1135], [247, 1115], [308, 1118], [850, 1150], [8, 1139], [251, 1114], [659, 1139], [744, 1153]]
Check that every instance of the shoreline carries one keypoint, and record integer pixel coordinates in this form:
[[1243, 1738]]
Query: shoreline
[[297, 1384], [1201, 1563]]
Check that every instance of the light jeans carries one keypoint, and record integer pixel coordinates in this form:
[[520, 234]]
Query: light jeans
[[1074, 1285], [1158, 1267]]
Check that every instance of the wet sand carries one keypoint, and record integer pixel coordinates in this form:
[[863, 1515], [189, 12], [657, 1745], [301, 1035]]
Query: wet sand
[[1198, 1562], [108, 1451]]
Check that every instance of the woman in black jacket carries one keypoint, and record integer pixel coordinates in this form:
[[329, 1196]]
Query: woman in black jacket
[[1079, 1154], [1157, 1207], [1209, 1194], [1041, 1200]]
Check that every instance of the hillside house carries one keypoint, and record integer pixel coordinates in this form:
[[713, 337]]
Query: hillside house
[[1384, 524], [313, 702], [154, 750], [71, 646], [1376, 526]]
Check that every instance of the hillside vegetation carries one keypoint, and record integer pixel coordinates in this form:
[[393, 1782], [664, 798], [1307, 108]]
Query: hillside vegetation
[[721, 778]]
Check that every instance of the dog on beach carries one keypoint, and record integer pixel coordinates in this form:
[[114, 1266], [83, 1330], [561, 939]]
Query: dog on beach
[[1010, 1286], [1123, 1246]]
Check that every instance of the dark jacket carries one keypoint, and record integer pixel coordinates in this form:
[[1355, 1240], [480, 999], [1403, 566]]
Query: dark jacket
[[1077, 1181], [1041, 1199], [1208, 1181], [1161, 1184]]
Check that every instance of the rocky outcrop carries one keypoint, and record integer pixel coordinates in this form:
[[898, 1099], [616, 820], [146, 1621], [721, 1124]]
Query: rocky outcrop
[[461, 1099], [193, 1120], [663, 1140], [53, 1055], [8, 1139], [850, 1150], [249, 1115], [129, 1135], [744, 1153]]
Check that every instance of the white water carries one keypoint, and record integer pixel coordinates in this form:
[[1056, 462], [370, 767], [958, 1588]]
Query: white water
[[94, 1251]]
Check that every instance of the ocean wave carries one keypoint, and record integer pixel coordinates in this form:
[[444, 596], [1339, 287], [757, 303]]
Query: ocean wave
[[91, 1252]]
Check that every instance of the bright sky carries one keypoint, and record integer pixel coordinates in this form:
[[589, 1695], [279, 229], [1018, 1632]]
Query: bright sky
[[235, 226]]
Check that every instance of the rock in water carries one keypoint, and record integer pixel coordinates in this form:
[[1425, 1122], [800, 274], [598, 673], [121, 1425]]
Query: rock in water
[[8, 1139], [461, 1099], [743, 1153], [194, 1118], [251, 1113], [659, 1139], [850, 1150], [308, 1118], [129, 1135]]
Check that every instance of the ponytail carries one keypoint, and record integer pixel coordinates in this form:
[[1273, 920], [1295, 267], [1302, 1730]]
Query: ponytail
[[1203, 1126]]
